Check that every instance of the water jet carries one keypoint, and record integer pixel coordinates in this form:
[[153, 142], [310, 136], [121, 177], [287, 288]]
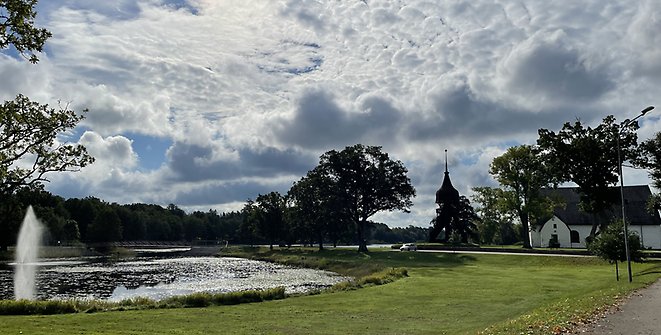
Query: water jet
[[27, 251]]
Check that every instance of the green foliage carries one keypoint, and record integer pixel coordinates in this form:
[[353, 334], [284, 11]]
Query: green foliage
[[495, 225], [17, 28], [381, 233], [522, 175], [383, 277], [589, 157], [650, 158], [315, 213], [270, 216], [106, 227], [366, 181], [29, 130], [609, 244], [29, 307], [196, 300]]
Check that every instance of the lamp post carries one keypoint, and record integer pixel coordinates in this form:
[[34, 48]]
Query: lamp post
[[619, 163]]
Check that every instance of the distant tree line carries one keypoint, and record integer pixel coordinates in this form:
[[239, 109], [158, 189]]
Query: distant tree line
[[332, 204], [91, 220]]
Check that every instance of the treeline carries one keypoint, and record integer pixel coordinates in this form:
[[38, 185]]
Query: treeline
[[90, 220]]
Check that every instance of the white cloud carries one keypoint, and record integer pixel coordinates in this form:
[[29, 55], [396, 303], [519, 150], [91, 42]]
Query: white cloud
[[113, 152], [249, 92]]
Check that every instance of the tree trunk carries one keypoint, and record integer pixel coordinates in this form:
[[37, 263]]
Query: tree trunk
[[617, 271], [526, 230], [362, 243], [321, 242]]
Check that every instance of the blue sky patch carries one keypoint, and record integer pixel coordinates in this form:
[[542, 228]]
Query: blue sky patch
[[151, 150]]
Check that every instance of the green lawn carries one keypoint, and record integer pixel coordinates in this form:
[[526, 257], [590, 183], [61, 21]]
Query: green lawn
[[444, 294]]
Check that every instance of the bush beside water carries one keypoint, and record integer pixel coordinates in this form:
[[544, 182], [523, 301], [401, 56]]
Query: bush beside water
[[32, 307]]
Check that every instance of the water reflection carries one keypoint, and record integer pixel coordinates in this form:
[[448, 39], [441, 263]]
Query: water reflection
[[158, 278]]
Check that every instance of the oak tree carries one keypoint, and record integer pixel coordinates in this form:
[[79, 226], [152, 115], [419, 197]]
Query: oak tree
[[366, 181]]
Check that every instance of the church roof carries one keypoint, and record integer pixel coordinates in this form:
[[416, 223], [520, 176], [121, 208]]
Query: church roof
[[447, 193], [635, 200]]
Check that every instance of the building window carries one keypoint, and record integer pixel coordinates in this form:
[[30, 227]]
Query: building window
[[555, 226], [575, 237]]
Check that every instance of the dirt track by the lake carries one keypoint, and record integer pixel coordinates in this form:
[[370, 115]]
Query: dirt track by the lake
[[640, 314]]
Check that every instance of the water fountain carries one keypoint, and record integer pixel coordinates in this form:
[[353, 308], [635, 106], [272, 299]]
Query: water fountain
[[27, 251]]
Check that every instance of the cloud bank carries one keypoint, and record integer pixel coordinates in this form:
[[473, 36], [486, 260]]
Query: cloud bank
[[247, 94]]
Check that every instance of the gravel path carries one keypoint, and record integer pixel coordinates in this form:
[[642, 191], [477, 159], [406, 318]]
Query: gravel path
[[639, 315]]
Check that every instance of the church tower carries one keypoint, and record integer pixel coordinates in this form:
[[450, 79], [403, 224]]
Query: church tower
[[447, 199]]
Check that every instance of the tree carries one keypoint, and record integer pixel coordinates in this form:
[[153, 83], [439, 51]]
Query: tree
[[522, 174], [271, 207], [609, 245], [28, 132], [247, 229], [17, 28], [588, 157], [264, 217], [495, 222], [28, 150], [83, 211], [650, 158], [366, 181], [316, 212], [465, 225], [106, 226]]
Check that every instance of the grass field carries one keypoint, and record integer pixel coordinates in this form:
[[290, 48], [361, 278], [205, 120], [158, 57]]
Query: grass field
[[443, 294]]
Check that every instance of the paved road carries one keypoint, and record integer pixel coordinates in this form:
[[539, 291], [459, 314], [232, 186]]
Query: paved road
[[502, 253], [639, 315]]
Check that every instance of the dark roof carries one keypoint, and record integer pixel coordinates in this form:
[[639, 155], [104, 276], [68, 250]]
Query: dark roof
[[447, 193], [635, 201]]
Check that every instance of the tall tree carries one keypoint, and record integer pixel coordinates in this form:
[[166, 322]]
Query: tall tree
[[587, 157], [28, 130], [522, 175], [265, 217], [366, 181], [316, 211], [650, 159]]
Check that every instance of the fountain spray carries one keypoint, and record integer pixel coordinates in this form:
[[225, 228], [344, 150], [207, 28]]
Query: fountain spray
[[27, 251]]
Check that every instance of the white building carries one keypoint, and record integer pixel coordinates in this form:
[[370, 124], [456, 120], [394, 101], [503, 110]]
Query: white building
[[569, 226]]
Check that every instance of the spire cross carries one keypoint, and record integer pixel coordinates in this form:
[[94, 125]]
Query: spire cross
[[446, 160]]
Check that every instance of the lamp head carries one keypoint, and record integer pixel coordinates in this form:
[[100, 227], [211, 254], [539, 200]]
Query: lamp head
[[644, 111]]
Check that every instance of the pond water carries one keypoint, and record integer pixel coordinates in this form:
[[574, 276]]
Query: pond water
[[159, 278]]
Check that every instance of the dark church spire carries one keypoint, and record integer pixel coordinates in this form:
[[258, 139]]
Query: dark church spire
[[447, 193]]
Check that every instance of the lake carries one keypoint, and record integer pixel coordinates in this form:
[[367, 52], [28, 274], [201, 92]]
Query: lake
[[162, 277]]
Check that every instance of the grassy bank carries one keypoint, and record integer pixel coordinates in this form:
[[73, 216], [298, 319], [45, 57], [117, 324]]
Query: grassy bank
[[443, 294]]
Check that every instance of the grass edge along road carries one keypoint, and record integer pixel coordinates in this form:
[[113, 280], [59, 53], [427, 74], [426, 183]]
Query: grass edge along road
[[444, 294]]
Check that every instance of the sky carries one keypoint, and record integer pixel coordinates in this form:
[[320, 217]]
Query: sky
[[208, 103]]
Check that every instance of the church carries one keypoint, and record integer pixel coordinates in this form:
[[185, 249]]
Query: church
[[569, 226], [448, 202]]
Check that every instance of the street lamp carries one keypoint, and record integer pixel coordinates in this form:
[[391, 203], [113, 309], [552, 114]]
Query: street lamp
[[619, 163]]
